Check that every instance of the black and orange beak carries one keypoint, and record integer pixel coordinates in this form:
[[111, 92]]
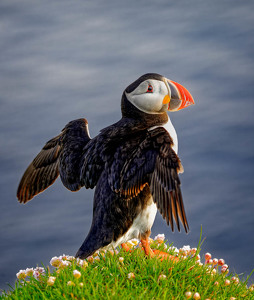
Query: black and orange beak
[[180, 96]]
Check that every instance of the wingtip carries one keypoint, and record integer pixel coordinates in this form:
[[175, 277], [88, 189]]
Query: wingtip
[[23, 195]]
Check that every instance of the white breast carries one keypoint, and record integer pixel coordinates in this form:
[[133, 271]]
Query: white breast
[[171, 130], [142, 223]]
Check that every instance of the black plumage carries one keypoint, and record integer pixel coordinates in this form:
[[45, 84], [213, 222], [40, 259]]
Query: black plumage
[[128, 162]]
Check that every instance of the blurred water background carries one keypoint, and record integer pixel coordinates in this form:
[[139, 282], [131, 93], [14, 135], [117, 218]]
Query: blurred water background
[[62, 60]]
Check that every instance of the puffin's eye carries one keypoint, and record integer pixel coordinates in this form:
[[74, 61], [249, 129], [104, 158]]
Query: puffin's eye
[[149, 89]]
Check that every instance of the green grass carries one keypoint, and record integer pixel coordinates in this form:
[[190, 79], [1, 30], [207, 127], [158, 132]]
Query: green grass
[[109, 277]]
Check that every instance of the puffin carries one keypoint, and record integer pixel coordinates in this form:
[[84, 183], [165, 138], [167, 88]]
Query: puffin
[[133, 166]]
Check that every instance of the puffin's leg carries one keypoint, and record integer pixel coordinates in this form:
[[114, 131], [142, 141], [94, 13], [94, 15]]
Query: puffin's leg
[[144, 238], [146, 247]]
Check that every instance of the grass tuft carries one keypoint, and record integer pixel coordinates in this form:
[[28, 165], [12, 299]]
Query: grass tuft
[[132, 275]]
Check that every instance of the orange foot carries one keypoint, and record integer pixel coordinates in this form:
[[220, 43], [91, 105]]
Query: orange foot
[[125, 247], [163, 255], [160, 254]]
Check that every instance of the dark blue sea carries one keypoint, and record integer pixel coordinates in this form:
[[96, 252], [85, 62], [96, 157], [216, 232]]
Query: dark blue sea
[[62, 60]]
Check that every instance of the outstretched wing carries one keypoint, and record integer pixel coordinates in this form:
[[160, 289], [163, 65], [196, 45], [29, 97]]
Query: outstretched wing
[[61, 155], [42, 172], [155, 163]]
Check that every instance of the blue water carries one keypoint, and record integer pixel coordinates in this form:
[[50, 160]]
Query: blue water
[[64, 60]]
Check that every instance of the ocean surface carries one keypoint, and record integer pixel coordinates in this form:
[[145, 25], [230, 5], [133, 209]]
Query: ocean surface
[[62, 60]]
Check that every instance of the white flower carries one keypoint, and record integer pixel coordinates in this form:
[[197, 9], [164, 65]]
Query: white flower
[[79, 262], [56, 261], [160, 238], [51, 280], [196, 296], [70, 283], [121, 259], [150, 240], [96, 258], [172, 248], [70, 257], [82, 263], [85, 264], [76, 274], [65, 263], [38, 272], [63, 256], [162, 277], [134, 242], [188, 294], [89, 259], [186, 248], [29, 271], [21, 274]]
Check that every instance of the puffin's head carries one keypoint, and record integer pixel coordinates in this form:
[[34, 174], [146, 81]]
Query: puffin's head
[[153, 94]]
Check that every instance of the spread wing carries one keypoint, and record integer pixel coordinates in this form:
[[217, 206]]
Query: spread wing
[[61, 155], [155, 163]]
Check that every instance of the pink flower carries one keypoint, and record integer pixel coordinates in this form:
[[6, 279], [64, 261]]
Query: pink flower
[[188, 294], [221, 262], [131, 276], [208, 256], [196, 296], [224, 269], [227, 282], [235, 280], [38, 272]]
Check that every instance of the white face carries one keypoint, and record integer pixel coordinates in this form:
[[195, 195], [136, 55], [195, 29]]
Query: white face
[[148, 96]]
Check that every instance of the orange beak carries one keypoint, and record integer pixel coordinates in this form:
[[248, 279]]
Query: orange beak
[[178, 92]]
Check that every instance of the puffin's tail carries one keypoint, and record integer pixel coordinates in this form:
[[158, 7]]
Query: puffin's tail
[[88, 248], [83, 254], [94, 241]]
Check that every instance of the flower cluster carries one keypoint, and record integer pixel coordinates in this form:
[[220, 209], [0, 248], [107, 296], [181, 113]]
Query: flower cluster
[[77, 266], [31, 272], [215, 263]]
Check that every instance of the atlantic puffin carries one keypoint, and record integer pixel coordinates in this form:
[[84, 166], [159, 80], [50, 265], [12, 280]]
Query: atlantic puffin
[[132, 164]]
